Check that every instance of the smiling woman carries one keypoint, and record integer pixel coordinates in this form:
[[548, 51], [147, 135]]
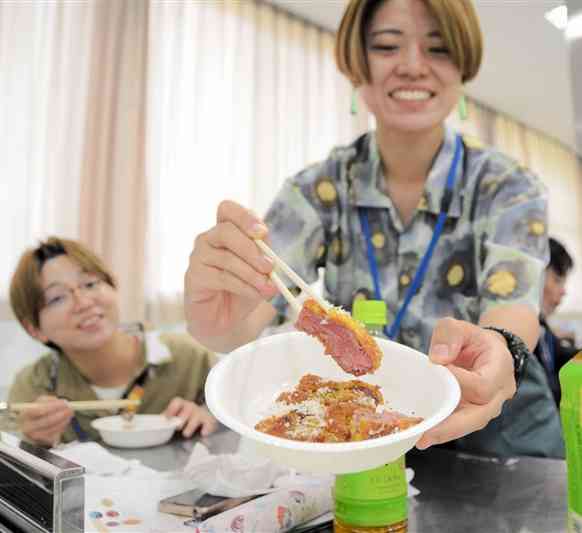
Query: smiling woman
[[65, 297], [402, 205]]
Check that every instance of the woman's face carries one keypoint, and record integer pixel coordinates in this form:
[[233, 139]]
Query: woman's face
[[414, 83], [80, 310]]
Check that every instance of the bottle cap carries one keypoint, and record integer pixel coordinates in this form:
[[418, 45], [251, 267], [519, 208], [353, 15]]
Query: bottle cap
[[370, 312]]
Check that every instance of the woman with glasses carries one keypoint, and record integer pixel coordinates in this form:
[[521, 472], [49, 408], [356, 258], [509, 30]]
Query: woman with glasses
[[65, 297]]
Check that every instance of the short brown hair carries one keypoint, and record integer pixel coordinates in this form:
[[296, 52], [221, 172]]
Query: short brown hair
[[26, 295], [457, 20]]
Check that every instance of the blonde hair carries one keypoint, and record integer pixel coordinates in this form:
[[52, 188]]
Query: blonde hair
[[457, 21], [26, 294]]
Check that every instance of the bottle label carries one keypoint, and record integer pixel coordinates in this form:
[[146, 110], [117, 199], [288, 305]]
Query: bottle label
[[571, 416], [373, 498], [388, 481]]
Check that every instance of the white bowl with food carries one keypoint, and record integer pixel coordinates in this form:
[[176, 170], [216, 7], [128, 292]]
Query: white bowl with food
[[142, 431], [243, 387]]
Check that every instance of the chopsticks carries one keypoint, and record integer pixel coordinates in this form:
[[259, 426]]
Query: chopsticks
[[293, 276], [91, 405]]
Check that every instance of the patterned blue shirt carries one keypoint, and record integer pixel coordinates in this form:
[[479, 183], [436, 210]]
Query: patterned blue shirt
[[493, 249]]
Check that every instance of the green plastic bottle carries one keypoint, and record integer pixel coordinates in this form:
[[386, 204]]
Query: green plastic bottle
[[373, 501], [571, 414]]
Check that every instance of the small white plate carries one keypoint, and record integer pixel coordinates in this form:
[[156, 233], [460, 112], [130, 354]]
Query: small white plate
[[244, 385], [142, 432]]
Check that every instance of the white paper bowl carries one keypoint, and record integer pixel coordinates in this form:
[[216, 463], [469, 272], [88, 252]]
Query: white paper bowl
[[145, 430], [244, 384]]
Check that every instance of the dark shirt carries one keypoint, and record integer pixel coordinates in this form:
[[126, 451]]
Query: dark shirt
[[553, 353]]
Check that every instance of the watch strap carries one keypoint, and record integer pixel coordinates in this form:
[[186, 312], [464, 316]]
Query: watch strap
[[518, 350]]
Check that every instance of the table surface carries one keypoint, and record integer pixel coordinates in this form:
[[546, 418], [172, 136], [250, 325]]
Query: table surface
[[458, 492]]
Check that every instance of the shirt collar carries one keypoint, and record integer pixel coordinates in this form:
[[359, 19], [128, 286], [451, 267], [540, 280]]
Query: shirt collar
[[366, 176], [156, 352]]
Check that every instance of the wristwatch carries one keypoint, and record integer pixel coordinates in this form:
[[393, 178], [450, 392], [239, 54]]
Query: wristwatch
[[518, 350]]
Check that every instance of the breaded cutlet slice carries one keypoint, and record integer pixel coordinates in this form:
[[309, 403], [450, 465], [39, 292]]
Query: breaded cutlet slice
[[344, 338]]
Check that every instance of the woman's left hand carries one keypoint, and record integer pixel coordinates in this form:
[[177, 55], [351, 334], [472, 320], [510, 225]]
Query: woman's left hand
[[481, 362], [193, 417]]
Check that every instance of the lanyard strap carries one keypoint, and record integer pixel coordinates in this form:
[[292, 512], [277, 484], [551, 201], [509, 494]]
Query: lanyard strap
[[392, 332]]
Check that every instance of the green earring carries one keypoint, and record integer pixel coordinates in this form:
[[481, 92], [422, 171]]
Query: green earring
[[463, 108], [354, 108]]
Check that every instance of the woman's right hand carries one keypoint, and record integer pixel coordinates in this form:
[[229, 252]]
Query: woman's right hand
[[228, 276], [45, 423]]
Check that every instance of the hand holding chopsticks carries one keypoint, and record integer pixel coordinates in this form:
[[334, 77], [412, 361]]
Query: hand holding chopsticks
[[91, 405]]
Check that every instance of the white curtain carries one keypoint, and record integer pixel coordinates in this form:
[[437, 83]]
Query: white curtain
[[44, 51], [241, 96], [558, 168]]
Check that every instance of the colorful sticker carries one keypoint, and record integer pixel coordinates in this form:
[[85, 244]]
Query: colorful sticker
[[107, 502], [238, 524], [284, 517]]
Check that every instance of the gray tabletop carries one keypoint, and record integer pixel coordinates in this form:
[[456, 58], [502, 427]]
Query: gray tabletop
[[459, 492]]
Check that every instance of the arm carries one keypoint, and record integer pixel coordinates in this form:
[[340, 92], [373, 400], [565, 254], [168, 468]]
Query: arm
[[227, 285], [519, 319], [227, 280], [514, 255], [43, 425], [246, 331]]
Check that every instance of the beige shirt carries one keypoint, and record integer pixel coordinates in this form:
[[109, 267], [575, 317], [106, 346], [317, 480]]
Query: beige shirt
[[178, 367]]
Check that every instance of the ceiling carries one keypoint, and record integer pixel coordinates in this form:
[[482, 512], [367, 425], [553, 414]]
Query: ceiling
[[526, 69]]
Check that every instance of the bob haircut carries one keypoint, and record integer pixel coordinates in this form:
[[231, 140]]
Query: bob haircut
[[457, 21], [26, 295]]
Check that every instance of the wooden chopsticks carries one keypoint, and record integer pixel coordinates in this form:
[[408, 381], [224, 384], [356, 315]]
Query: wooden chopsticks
[[94, 405], [293, 276]]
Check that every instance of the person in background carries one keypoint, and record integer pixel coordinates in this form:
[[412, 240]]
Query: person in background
[[530, 423], [65, 297], [555, 349], [453, 236]]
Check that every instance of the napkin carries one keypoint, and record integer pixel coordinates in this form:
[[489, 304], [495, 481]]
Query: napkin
[[232, 475], [97, 460]]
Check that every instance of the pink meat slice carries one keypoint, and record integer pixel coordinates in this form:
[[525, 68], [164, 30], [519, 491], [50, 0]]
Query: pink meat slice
[[339, 341]]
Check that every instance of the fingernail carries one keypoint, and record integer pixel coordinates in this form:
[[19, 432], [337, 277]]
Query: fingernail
[[258, 230], [439, 352], [267, 287], [423, 446]]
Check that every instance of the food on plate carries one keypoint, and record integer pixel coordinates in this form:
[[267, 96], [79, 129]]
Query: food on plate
[[344, 338], [319, 410], [128, 413]]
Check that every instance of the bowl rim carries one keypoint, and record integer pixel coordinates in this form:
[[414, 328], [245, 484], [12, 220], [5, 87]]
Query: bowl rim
[[170, 423], [453, 397]]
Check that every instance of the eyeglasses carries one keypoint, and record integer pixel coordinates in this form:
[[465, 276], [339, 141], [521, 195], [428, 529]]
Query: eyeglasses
[[62, 296]]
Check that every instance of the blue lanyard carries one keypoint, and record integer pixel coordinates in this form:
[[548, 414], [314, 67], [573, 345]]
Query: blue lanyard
[[392, 331]]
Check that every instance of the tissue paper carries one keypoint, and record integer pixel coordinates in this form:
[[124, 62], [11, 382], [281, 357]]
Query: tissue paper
[[231, 475], [277, 512]]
